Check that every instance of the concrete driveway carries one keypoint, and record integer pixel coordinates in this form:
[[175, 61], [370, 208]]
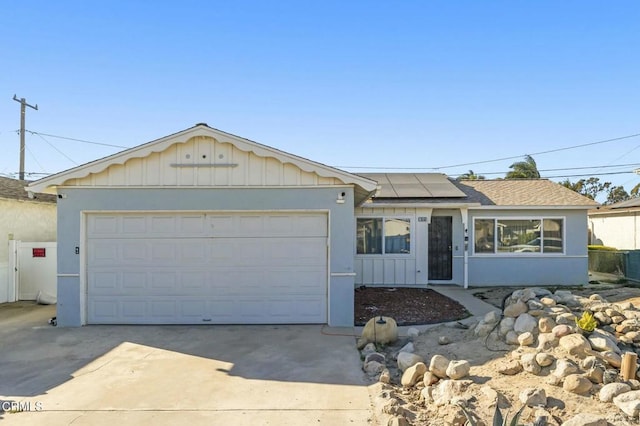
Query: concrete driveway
[[241, 375]]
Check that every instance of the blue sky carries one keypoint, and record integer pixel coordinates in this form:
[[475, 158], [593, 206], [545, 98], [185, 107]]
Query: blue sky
[[358, 85]]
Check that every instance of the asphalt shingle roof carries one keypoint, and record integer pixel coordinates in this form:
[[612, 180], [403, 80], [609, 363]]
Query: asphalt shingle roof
[[499, 192], [13, 189], [522, 192]]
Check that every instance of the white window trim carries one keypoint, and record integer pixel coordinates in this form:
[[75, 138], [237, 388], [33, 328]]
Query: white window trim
[[384, 218], [517, 254]]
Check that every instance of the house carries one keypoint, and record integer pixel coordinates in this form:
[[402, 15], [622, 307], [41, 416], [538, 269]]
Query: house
[[206, 227], [22, 218], [616, 225]]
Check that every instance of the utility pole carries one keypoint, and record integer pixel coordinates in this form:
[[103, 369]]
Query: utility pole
[[23, 105]]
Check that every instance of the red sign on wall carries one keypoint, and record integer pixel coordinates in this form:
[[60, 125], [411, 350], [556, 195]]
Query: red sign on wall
[[39, 252]]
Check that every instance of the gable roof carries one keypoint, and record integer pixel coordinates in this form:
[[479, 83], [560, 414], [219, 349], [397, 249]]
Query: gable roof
[[363, 187], [523, 192], [14, 189]]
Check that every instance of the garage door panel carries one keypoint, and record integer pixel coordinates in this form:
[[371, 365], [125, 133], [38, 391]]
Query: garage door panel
[[171, 269]]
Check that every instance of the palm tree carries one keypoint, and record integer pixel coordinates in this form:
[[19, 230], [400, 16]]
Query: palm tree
[[470, 175], [526, 169]]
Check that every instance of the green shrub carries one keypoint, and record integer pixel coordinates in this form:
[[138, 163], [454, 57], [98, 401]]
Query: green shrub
[[601, 248]]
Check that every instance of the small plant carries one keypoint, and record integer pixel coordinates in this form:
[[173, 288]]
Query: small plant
[[498, 420], [587, 322]]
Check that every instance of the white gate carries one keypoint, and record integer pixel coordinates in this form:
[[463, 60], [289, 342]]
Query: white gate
[[32, 270]]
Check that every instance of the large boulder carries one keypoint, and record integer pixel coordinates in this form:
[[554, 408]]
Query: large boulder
[[602, 342], [374, 332], [516, 309]]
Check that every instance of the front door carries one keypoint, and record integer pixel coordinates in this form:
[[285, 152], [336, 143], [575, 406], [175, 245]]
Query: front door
[[440, 248]]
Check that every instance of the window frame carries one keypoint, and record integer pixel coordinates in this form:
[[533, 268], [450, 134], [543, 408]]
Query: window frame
[[495, 251], [384, 219]]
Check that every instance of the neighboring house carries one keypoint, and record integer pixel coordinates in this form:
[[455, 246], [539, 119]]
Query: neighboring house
[[616, 225], [22, 218], [206, 227]]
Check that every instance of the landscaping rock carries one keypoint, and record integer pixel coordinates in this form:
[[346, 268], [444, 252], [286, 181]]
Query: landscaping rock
[[533, 397], [602, 318], [601, 342], [577, 384], [544, 359], [413, 332], [491, 317], [566, 318], [561, 330], [529, 363], [429, 378], [547, 341], [408, 348], [373, 368], [548, 301], [511, 338], [369, 348], [515, 309], [458, 369], [629, 403], [575, 344], [564, 367], [524, 323], [546, 324], [407, 359], [614, 359], [586, 419], [595, 374], [385, 376], [506, 325], [438, 366], [398, 421], [446, 390], [375, 356], [443, 340], [510, 368], [611, 390], [413, 374], [526, 339]]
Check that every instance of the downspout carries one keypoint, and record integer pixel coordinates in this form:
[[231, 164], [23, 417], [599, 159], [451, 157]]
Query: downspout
[[465, 268]]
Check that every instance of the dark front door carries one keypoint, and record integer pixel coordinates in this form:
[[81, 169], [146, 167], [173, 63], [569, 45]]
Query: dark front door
[[440, 251]]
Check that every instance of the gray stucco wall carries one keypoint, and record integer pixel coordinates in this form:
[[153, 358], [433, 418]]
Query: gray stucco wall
[[77, 200], [570, 268]]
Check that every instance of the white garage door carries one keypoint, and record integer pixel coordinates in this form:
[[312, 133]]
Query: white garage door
[[194, 268]]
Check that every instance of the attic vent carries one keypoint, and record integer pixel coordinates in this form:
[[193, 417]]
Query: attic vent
[[202, 124]]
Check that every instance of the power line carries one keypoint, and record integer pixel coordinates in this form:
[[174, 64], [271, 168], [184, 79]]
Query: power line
[[54, 147], [562, 169], [77, 140], [497, 159]]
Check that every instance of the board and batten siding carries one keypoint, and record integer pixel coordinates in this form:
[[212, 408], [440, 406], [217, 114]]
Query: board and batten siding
[[389, 270], [234, 168]]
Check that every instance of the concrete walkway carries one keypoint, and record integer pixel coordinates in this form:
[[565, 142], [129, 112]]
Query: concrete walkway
[[220, 375], [477, 307]]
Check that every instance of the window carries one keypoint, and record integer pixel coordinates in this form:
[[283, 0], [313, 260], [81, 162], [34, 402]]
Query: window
[[396, 233], [526, 235]]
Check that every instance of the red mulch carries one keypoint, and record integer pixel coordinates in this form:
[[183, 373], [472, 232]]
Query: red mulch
[[408, 306]]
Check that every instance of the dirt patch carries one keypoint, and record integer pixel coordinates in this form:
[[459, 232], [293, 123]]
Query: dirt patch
[[408, 306]]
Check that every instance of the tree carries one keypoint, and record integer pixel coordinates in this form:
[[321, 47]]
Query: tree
[[470, 175], [526, 169], [616, 194], [635, 191], [591, 187]]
